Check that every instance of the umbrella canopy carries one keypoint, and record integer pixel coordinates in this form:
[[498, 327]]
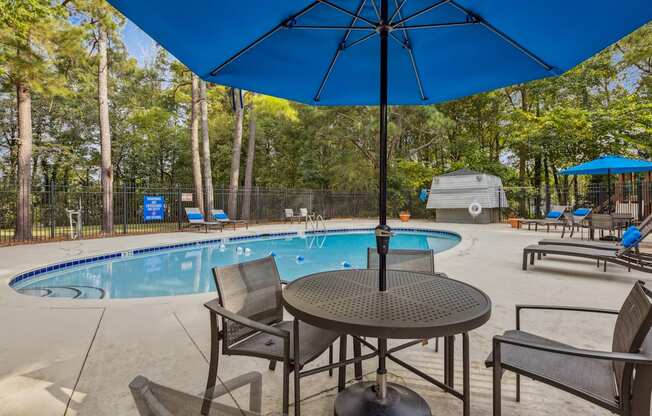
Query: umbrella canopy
[[327, 52], [608, 165]]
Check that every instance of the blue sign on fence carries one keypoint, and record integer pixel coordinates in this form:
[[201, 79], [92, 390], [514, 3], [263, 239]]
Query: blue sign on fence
[[153, 208]]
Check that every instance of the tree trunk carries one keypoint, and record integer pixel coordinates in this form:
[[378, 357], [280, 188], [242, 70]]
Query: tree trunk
[[537, 186], [235, 157], [523, 156], [249, 167], [194, 144], [23, 205], [105, 132], [206, 149]]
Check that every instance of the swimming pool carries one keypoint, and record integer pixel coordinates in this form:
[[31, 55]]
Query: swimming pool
[[186, 268]]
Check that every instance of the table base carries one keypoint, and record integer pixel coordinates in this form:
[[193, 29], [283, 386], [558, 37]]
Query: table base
[[360, 399]]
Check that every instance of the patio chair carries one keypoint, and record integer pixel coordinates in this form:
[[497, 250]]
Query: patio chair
[[410, 260], [221, 217], [154, 399], [645, 227], [619, 381], [289, 215], [249, 303], [554, 217], [196, 219]]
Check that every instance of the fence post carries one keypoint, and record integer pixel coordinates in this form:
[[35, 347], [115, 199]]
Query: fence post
[[53, 225], [257, 204], [124, 208], [500, 207], [639, 198], [179, 208]]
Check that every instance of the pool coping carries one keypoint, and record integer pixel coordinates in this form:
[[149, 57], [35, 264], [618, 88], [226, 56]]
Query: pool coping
[[23, 277]]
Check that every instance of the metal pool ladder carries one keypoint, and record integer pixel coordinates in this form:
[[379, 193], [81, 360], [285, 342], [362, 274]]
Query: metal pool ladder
[[314, 221]]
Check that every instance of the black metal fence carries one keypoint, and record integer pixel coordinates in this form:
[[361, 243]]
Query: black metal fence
[[634, 198], [50, 206]]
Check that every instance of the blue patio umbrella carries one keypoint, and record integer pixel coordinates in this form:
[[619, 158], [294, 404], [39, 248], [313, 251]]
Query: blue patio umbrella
[[609, 165], [380, 52]]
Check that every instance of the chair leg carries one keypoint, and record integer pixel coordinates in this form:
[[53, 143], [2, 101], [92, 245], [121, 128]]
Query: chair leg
[[297, 369], [466, 381], [357, 367], [286, 384], [525, 253], [330, 360], [437, 344], [212, 366], [497, 374], [341, 375], [272, 365], [518, 387]]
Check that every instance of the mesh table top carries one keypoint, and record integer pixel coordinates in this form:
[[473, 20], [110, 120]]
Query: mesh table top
[[415, 305]]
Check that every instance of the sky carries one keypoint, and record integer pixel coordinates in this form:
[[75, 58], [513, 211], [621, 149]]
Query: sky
[[138, 43]]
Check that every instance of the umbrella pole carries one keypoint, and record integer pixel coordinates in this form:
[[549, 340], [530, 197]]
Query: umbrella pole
[[382, 231]]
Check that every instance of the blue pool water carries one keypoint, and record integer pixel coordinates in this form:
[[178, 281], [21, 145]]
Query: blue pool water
[[188, 270]]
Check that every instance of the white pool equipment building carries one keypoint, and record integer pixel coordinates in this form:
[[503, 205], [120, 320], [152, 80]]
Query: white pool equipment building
[[465, 196]]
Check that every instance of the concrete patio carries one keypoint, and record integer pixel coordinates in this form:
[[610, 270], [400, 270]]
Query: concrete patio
[[77, 357]]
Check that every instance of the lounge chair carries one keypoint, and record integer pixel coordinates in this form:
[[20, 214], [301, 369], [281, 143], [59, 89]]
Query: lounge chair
[[249, 304], [628, 256], [289, 215], [619, 380], [645, 227], [153, 399], [221, 217], [196, 219], [576, 219], [303, 213], [554, 217]]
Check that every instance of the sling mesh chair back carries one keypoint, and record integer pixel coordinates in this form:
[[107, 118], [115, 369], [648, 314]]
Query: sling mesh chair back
[[409, 260], [632, 328], [251, 290]]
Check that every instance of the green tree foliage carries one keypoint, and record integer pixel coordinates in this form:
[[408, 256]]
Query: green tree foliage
[[524, 133]]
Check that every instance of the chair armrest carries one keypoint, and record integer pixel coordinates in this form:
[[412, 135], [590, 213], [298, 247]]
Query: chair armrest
[[519, 308], [632, 358], [215, 307]]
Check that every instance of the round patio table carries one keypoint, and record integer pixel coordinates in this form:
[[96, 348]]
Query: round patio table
[[415, 306]]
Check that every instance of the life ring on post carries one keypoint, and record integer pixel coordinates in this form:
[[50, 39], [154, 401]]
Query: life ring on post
[[475, 209]]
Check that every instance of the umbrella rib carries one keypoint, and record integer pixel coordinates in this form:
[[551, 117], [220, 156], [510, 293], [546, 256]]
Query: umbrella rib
[[373, 3], [340, 48], [503, 36], [396, 11], [317, 27], [350, 13], [362, 39], [285, 23], [420, 12], [438, 25], [408, 47]]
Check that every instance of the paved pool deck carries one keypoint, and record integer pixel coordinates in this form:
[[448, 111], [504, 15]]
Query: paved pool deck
[[77, 357]]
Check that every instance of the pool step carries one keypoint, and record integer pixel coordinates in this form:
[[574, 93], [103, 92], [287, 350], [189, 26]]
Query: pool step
[[70, 292]]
